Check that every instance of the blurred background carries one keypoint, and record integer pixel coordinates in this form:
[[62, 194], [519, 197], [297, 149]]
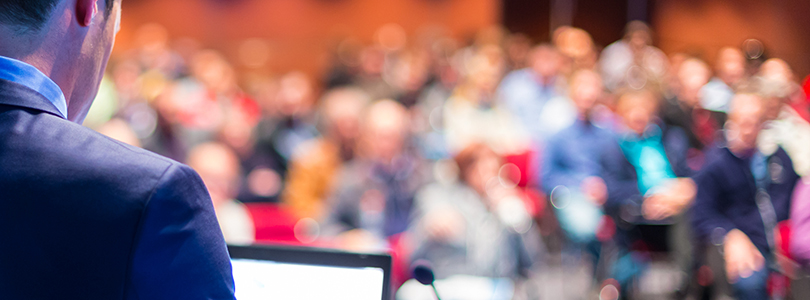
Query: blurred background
[[420, 128], [301, 33]]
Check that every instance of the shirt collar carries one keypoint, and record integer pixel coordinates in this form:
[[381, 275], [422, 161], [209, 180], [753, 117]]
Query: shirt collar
[[27, 75]]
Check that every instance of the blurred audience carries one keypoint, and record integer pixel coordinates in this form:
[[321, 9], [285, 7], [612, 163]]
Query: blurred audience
[[120, 130], [444, 170]]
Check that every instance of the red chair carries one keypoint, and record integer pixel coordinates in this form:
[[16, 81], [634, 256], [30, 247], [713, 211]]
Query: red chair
[[272, 223], [526, 178]]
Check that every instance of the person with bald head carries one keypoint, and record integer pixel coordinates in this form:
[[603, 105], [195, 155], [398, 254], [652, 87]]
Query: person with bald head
[[83, 216], [372, 199], [219, 169], [729, 73], [741, 195]]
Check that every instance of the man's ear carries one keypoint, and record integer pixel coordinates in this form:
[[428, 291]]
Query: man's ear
[[86, 10]]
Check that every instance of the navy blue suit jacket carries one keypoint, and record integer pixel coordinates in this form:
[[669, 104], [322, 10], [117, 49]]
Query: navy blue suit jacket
[[727, 192], [85, 217]]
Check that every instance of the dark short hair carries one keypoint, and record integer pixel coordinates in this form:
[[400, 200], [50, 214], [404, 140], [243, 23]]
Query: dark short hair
[[30, 15]]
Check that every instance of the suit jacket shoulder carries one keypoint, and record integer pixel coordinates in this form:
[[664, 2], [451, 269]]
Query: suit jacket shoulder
[[86, 213], [51, 152]]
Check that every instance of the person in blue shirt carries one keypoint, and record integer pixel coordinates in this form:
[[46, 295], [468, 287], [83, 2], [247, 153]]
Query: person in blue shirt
[[742, 195], [83, 216], [572, 166], [536, 95]]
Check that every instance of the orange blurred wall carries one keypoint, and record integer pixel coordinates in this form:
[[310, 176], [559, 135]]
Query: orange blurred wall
[[299, 31], [705, 26]]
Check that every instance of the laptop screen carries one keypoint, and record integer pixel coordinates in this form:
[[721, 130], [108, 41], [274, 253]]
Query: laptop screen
[[262, 272]]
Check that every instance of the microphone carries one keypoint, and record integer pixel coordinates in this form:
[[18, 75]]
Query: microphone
[[424, 274]]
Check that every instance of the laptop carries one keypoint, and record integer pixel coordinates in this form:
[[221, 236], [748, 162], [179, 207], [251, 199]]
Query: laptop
[[283, 272]]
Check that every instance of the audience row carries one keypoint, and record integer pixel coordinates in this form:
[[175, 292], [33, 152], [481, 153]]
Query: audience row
[[474, 157]]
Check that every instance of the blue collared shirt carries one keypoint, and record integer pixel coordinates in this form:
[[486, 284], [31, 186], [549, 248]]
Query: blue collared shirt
[[22, 73], [574, 154]]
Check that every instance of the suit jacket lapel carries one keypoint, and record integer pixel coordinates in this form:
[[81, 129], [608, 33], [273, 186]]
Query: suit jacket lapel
[[15, 94]]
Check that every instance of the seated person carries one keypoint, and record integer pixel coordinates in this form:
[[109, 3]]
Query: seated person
[[474, 113], [648, 187], [374, 192], [648, 182], [312, 171], [635, 49], [472, 227], [288, 122], [784, 127], [683, 110], [729, 75], [535, 95], [218, 167], [742, 194], [572, 171]]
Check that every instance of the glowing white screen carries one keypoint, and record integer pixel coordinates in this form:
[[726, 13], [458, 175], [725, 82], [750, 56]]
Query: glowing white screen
[[258, 279]]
